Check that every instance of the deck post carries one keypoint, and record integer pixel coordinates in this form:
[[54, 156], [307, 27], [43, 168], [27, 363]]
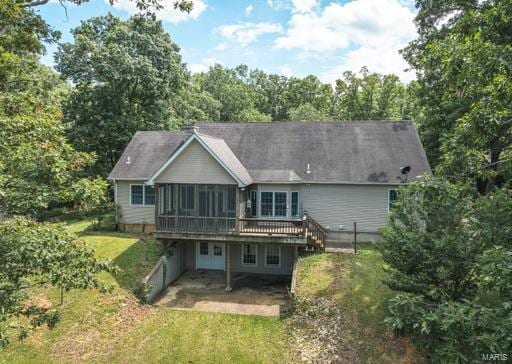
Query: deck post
[[176, 205], [157, 191], [228, 268], [355, 237], [237, 214]]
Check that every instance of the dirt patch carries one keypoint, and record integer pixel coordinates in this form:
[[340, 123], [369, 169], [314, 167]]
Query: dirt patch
[[90, 340], [327, 325]]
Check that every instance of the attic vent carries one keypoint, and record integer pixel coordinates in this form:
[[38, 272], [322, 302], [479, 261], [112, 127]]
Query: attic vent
[[128, 161], [308, 170]]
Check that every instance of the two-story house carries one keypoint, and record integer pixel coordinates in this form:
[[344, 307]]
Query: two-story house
[[244, 197]]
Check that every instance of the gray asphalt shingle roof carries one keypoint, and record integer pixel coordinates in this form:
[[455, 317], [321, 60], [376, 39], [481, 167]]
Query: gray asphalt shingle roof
[[337, 152], [223, 152], [148, 151]]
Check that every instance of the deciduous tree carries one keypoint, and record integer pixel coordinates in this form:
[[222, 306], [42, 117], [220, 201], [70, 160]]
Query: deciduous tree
[[40, 254], [126, 74]]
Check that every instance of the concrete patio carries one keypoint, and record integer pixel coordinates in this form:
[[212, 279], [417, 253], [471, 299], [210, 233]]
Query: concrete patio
[[204, 290]]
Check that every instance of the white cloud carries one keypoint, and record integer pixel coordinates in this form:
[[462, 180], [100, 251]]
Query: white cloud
[[286, 71], [248, 10], [367, 32], [204, 65], [304, 6], [277, 4], [221, 46], [246, 33], [198, 67], [167, 13]]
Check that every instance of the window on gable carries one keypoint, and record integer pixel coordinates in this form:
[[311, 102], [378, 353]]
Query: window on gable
[[137, 194], [273, 256], [249, 252], [392, 197]]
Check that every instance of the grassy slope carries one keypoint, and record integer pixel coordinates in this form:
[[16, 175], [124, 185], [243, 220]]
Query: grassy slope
[[115, 328], [354, 284]]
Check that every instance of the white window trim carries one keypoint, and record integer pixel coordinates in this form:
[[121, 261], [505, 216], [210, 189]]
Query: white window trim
[[255, 253], [272, 265], [288, 204], [298, 204], [389, 196], [143, 196]]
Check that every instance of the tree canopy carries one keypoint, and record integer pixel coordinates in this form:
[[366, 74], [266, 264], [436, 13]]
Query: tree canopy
[[463, 56], [38, 254], [125, 73]]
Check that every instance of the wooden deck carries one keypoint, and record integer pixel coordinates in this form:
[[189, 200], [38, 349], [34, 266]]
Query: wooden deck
[[305, 231]]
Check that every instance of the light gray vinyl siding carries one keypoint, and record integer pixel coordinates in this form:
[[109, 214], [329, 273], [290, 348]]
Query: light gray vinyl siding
[[236, 259], [133, 214], [195, 165], [335, 205]]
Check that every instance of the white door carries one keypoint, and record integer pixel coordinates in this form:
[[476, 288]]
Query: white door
[[210, 255]]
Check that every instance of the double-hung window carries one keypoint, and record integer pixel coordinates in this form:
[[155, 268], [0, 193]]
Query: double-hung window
[[249, 254], [272, 256], [142, 195], [273, 204]]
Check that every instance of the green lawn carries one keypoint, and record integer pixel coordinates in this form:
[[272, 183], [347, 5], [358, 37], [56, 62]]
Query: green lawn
[[350, 288], [116, 328]]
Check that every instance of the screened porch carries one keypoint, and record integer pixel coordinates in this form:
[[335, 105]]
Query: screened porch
[[197, 208]]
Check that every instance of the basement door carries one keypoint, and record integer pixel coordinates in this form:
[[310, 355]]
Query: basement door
[[210, 256]]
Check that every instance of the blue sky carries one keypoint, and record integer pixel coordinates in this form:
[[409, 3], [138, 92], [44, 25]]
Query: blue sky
[[290, 37]]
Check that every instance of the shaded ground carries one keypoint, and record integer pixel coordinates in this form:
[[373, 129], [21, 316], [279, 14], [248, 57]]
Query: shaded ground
[[338, 315], [204, 290], [115, 328], [340, 307]]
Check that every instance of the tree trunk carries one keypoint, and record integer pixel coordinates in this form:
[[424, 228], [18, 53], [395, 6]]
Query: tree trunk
[[491, 182]]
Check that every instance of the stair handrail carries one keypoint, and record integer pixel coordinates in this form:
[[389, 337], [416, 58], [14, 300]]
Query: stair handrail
[[311, 226]]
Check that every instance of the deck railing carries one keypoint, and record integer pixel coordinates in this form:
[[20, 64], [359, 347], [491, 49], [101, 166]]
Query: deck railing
[[314, 232], [196, 224], [306, 227], [271, 227]]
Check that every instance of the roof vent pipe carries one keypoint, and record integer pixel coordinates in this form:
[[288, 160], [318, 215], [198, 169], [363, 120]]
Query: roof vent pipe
[[308, 171], [128, 161], [189, 128]]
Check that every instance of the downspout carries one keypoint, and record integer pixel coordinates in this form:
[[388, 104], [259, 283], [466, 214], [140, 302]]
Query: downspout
[[115, 205]]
